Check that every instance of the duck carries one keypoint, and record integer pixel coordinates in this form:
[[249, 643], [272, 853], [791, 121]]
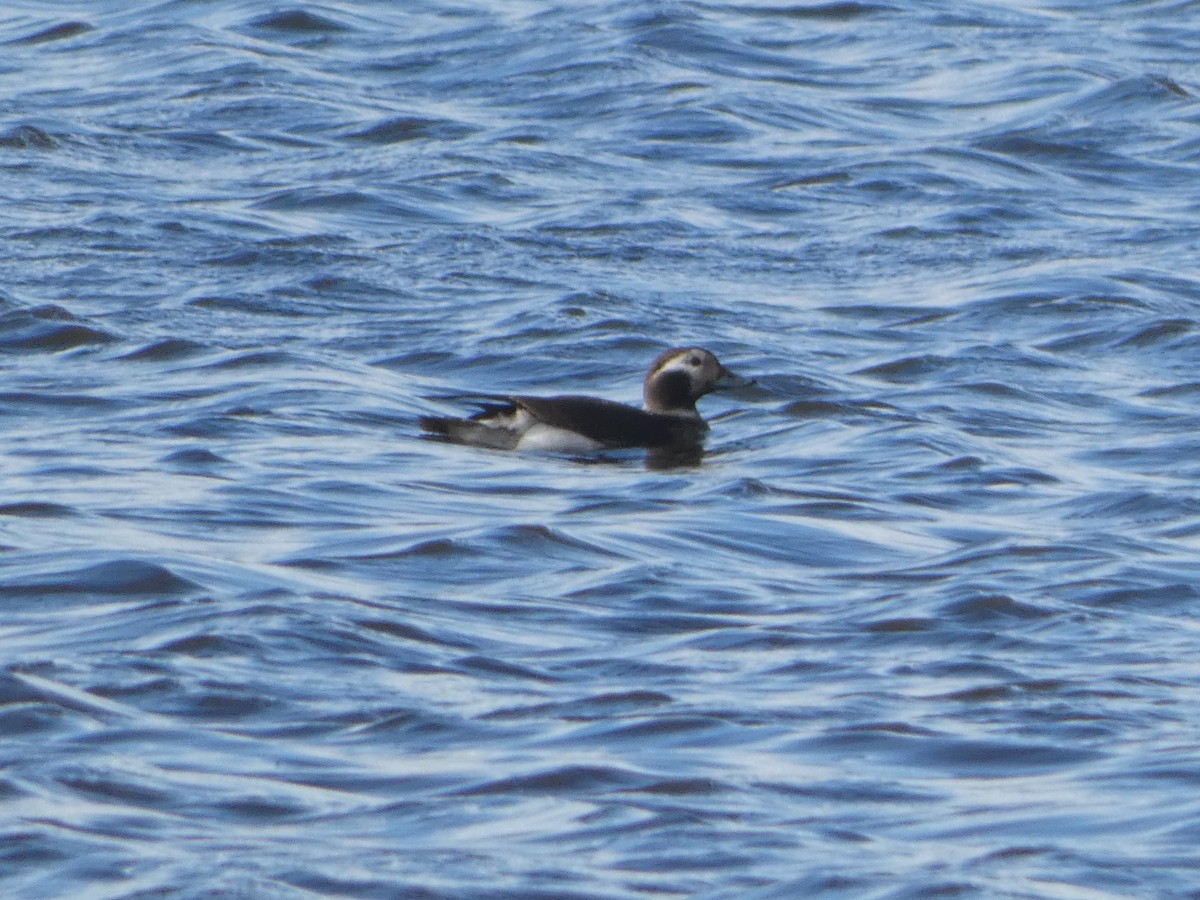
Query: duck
[[570, 423]]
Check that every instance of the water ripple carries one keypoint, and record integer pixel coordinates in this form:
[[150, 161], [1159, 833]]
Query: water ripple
[[931, 584]]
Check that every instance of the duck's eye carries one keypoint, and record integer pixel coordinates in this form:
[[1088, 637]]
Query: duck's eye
[[693, 361]]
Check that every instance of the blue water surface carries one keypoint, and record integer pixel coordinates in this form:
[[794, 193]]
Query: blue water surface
[[922, 622]]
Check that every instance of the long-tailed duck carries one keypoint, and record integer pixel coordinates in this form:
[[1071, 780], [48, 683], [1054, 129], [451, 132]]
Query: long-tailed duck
[[574, 424]]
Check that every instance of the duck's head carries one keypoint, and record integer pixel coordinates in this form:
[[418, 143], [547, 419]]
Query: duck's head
[[681, 376]]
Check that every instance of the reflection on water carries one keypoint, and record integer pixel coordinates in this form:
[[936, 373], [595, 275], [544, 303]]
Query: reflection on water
[[918, 620]]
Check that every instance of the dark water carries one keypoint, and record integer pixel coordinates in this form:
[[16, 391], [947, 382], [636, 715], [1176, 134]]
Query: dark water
[[924, 622]]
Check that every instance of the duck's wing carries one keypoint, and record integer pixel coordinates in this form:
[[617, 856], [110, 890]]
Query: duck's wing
[[498, 424], [469, 431]]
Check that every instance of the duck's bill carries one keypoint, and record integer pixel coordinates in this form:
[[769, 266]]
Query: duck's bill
[[727, 378]]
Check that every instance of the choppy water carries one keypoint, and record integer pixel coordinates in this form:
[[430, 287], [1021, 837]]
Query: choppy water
[[922, 623]]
